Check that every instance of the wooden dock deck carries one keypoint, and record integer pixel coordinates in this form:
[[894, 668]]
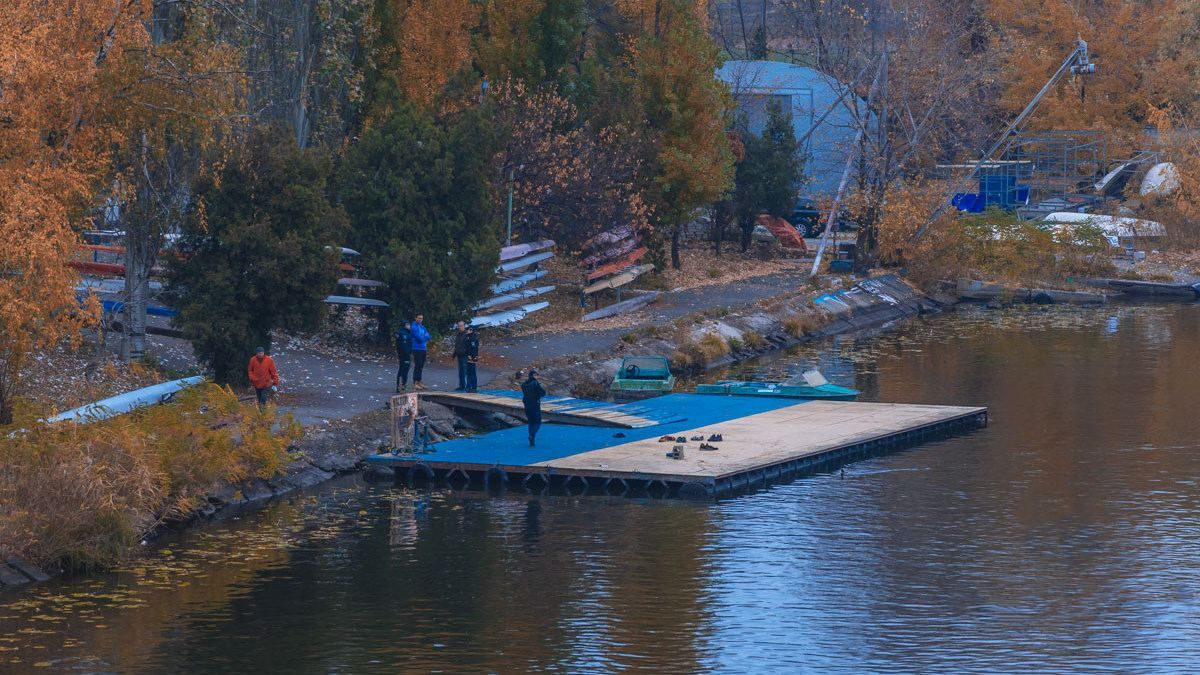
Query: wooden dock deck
[[763, 440]]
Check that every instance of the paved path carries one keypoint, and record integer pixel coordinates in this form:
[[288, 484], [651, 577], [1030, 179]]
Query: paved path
[[316, 387]]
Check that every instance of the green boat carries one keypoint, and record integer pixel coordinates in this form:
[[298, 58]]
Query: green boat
[[811, 384], [643, 376]]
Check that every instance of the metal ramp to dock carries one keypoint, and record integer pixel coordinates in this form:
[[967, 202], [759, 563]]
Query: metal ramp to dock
[[555, 409], [764, 439]]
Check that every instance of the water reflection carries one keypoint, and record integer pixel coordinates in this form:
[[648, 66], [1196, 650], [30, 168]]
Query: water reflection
[[1063, 537]]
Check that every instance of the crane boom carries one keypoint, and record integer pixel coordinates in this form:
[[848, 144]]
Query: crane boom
[[1076, 63]]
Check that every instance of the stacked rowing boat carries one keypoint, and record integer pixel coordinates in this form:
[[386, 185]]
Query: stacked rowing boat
[[613, 261], [518, 266]]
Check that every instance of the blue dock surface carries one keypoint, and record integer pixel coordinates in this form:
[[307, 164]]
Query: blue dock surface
[[764, 437]]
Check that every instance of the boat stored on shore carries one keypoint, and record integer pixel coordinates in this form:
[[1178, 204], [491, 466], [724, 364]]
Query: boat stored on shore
[[809, 385]]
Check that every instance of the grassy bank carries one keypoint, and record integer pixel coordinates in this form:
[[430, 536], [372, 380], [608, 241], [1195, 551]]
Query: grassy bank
[[81, 496]]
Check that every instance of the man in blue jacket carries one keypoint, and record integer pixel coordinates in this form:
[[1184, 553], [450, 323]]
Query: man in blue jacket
[[404, 355], [420, 342]]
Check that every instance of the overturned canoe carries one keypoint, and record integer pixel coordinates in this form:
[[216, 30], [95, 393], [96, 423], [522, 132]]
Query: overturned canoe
[[514, 296], [508, 316], [506, 285], [123, 403], [525, 261]]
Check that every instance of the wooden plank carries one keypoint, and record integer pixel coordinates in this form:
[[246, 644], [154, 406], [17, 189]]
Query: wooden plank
[[766, 439]]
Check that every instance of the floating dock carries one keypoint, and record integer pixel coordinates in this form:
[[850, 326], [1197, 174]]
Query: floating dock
[[763, 440]]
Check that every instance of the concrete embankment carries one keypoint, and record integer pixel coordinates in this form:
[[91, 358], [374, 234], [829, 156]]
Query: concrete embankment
[[723, 336]]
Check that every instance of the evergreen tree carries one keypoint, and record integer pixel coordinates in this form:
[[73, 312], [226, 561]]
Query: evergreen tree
[[418, 198], [257, 254], [766, 180]]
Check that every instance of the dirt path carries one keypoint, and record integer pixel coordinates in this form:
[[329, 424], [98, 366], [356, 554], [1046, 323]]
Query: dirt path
[[318, 388]]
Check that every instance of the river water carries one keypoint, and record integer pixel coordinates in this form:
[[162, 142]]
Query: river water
[[1064, 537]]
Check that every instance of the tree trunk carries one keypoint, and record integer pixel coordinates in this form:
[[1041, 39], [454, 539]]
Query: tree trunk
[[747, 233], [137, 276], [8, 379], [676, 231]]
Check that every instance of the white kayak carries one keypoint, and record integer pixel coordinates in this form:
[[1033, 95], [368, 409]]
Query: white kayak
[[618, 280], [353, 301], [518, 250], [623, 307], [506, 285], [508, 316], [524, 262], [123, 403], [1161, 179], [513, 297]]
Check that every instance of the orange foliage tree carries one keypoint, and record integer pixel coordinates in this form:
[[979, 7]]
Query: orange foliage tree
[[53, 64], [421, 45], [1135, 43]]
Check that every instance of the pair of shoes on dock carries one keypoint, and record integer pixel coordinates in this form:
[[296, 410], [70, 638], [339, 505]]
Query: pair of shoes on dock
[[698, 437], [715, 438], [666, 439], [706, 446], [676, 452]]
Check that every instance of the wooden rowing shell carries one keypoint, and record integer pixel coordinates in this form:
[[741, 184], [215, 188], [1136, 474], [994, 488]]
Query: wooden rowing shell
[[618, 280], [614, 267], [619, 249]]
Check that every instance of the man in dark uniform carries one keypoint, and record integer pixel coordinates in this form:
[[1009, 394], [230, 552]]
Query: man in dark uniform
[[532, 392], [472, 344], [404, 342]]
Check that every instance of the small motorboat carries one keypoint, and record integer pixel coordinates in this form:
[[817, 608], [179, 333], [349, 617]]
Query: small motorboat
[[641, 376], [809, 384]]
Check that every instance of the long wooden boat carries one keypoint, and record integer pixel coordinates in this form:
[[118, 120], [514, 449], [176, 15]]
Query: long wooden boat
[[614, 251], [617, 265], [623, 307], [360, 283], [618, 280]]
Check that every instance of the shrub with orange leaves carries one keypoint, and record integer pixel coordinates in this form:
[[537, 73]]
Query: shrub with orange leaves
[[87, 494]]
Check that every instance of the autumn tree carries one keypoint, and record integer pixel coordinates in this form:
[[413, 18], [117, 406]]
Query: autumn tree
[[56, 63], [530, 41], [568, 179], [257, 254], [418, 193], [673, 60], [1139, 46], [421, 44]]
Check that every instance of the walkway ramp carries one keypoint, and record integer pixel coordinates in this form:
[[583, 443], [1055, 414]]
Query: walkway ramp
[[555, 409]]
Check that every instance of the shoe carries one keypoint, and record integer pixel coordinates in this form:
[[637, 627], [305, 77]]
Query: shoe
[[715, 438], [418, 386], [676, 452], [706, 446], [459, 389], [698, 437], [666, 439], [681, 439]]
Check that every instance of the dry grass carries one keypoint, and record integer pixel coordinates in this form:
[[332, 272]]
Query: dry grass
[[805, 323], [695, 355], [87, 494]]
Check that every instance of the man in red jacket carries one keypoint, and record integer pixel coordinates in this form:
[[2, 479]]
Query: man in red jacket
[[262, 374]]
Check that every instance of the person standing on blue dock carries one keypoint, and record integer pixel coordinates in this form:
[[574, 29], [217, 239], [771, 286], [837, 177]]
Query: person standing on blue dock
[[532, 392]]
